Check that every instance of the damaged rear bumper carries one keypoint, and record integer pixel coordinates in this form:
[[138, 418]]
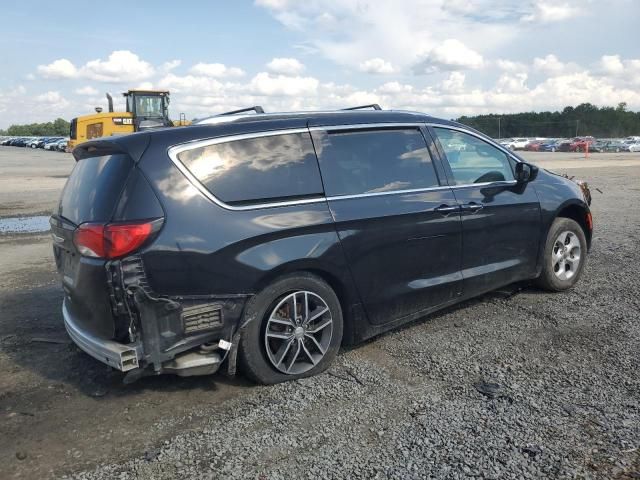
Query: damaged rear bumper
[[166, 340], [114, 354], [150, 334]]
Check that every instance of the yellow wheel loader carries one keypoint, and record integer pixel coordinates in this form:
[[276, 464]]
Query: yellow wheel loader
[[145, 109]]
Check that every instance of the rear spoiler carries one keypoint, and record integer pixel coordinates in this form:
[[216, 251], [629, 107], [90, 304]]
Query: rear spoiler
[[132, 145]]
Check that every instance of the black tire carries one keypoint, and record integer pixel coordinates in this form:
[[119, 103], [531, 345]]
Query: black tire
[[252, 353], [548, 280]]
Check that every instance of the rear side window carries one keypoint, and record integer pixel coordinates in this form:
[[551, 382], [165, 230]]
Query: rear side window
[[374, 161], [94, 187], [272, 168]]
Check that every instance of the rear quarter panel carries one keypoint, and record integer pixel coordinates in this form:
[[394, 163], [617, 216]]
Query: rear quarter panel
[[205, 249]]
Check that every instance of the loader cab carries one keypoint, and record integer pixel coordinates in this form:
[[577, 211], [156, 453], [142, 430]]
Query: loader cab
[[150, 108]]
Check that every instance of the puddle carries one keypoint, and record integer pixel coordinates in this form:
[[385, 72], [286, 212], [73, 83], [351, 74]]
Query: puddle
[[35, 224]]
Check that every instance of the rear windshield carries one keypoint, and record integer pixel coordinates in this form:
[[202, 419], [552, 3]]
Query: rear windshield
[[93, 188]]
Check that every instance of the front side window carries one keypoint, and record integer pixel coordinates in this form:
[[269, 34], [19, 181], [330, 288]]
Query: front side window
[[374, 161], [272, 168], [473, 160]]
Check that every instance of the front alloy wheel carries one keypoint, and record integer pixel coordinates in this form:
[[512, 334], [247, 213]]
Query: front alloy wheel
[[565, 259], [564, 255]]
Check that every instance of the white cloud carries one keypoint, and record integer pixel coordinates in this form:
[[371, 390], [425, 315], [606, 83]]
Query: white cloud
[[143, 86], [216, 70], [547, 12], [348, 31], [619, 70], [170, 65], [512, 83], [286, 66], [120, 66], [266, 84], [611, 64], [454, 82], [52, 98], [61, 68], [394, 88], [87, 90], [450, 55], [552, 66], [191, 84], [511, 66], [376, 65]]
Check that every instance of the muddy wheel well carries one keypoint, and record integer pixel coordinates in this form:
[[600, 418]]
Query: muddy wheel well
[[578, 214]]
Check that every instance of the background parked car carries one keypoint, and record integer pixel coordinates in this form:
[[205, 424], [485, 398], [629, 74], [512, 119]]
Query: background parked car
[[534, 145], [634, 147], [609, 146], [62, 145], [580, 144], [519, 143], [549, 145]]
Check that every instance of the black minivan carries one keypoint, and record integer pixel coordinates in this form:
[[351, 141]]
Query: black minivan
[[269, 240]]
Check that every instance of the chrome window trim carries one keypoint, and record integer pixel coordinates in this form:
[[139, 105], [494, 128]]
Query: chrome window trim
[[390, 192], [175, 150], [500, 183], [474, 134]]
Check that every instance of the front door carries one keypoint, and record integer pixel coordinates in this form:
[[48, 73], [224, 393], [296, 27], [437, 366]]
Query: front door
[[500, 218], [399, 226]]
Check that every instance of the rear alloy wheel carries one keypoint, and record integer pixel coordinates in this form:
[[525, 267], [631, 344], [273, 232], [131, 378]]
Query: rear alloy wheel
[[298, 332], [294, 330], [564, 256]]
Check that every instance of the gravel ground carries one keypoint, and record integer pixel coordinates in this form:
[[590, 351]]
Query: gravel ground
[[515, 384]]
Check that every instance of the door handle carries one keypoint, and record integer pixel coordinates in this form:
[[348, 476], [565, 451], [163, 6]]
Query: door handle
[[472, 207], [446, 209]]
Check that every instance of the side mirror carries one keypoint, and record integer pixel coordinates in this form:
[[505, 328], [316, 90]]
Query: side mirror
[[525, 172]]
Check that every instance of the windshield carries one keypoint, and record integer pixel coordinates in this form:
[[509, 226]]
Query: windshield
[[148, 106]]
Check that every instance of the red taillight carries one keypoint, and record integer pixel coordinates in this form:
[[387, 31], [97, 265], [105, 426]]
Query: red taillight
[[111, 241]]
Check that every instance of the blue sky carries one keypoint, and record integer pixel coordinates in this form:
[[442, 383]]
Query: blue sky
[[446, 57]]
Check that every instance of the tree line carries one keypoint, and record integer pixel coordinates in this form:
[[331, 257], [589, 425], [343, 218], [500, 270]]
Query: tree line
[[585, 119], [59, 128]]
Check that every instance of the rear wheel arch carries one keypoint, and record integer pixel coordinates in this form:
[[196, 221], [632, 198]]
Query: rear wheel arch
[[345, 296], [254, 356]]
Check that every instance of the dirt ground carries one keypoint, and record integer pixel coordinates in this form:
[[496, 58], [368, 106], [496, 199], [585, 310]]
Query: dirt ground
[[63, 412]]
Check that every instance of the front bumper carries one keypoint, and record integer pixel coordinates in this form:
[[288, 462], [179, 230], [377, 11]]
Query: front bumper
[[114, 354]]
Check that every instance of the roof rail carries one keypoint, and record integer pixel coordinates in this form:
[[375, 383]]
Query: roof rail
[[256, 108], [375, 106]]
